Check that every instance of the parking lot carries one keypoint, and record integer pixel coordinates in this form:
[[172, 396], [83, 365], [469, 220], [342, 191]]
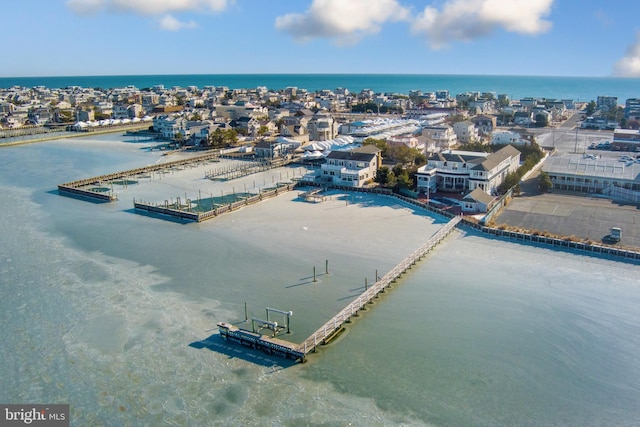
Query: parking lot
[[585, 216], [570, 214]]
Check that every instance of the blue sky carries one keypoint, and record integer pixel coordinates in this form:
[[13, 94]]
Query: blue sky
[[495, 37]]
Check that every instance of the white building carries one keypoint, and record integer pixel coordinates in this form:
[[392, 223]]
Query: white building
[[464, 171], [442, 136], [465, 131], [353, 168], [322, 127], [408, 141], [507, 137]]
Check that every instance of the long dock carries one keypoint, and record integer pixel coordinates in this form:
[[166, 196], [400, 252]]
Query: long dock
[[79, 188], [334, 325], [173, 212]]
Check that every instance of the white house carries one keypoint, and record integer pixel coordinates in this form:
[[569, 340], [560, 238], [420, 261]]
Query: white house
[[476, 201], [408, 141], [322, 127], [464, 171], [465, 131], [352, 168], [442, 136], [507, 137]]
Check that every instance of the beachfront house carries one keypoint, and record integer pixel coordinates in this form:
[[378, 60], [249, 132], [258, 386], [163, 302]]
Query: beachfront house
[[353, 168], [462, 171]]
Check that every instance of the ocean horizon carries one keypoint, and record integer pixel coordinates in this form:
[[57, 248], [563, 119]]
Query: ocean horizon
[[516, 87]]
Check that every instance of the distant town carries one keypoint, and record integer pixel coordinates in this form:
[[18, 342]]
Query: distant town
[[473, 144]]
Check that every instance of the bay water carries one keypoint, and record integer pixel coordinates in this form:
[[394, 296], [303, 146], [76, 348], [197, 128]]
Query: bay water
[[115, 312]]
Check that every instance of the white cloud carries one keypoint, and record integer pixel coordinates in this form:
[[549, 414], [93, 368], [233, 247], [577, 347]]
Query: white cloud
[[465, 20], [629, 64], [345, 21], [147, 7], [170, 23]]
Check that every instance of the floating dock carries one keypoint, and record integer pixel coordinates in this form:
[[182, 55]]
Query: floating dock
[[327, 331]]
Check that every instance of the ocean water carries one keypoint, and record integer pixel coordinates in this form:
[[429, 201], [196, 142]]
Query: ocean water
[[576, 88], [115, 313]]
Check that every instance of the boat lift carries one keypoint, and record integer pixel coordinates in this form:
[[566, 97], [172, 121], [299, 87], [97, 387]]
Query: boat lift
[[287, 315]]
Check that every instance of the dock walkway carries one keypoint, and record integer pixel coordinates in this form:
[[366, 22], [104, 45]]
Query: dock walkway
[[330, 328]]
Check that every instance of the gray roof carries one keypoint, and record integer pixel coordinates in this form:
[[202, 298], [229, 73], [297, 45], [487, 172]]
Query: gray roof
[[494, 159], [357, 154], [479, 196], [600, 168], [457, 157]]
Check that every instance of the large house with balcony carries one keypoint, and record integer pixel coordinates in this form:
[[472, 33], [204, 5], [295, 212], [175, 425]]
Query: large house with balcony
[[442, 137], [322, 127], [464, 171], [353, 168]]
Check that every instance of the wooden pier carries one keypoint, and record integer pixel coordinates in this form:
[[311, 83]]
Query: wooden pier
[[80, 188], [327, 331], [179, 213], [316, 195]]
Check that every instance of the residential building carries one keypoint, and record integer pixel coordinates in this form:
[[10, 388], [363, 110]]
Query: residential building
[[606, 102], [273, 149], [409, 141], [485, 123], [507, 137], [353, 168], [632, 109], [443, 137], [465, 131], [477, 201], [322, 127], [463, 171]]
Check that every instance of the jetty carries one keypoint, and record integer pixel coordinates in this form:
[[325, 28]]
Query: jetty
[[331, 328]]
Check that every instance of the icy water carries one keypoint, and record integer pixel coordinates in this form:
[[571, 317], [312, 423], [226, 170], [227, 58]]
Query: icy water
[[115, 313]]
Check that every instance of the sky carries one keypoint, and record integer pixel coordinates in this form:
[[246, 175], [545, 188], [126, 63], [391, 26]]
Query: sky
[[488, 37]]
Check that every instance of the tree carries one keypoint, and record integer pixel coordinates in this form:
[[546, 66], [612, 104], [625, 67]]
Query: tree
[[545, 182], [405, 155], [262, 130], [542, 120], [384, 176], [402, 178], [511, 180], [591, 108]]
